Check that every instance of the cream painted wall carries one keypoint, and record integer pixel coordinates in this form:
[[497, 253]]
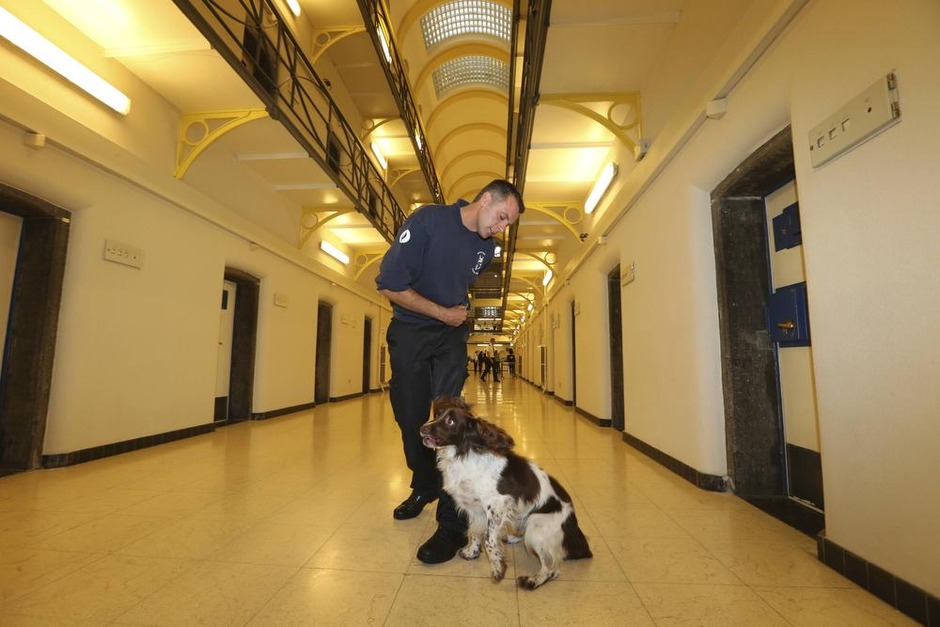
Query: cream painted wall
[[869, 228], [136, 349], [871, 254]]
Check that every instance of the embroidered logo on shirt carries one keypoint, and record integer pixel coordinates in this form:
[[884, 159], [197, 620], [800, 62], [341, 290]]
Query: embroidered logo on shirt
[[405, 237], [481, 257]]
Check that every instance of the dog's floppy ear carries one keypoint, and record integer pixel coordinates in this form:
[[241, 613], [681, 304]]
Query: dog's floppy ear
[[493, 438], [443, 403]]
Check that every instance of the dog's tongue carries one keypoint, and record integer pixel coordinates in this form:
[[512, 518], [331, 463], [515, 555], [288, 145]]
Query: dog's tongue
[[429, 442]]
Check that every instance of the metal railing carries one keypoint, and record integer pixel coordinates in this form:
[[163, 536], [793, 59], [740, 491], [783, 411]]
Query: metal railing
[[522, 121], [375, 17], [251, 36]]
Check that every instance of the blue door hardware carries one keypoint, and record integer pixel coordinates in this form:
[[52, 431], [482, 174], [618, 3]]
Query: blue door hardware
[[787, 232], [788, 316]]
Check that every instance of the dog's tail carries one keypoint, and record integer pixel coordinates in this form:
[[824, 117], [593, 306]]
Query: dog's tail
[[574, 543]]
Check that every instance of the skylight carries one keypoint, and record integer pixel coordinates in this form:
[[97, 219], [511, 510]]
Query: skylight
[[466, 16], [471, 70]]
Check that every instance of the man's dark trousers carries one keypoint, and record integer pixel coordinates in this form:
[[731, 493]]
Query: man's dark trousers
[[427, 361]]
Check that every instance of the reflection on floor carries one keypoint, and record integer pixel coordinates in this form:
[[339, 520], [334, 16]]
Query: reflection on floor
[[288, 521]]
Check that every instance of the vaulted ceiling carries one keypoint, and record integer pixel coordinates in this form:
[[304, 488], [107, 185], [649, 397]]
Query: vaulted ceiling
[[611, 72]]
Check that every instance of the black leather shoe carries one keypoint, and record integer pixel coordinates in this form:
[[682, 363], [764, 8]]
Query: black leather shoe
[[442, 546], [412, 506]]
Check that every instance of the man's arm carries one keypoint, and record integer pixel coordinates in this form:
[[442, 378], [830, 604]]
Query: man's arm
[[413, 301]]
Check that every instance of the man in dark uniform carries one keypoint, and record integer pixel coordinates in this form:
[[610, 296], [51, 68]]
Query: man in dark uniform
[[426, 274]]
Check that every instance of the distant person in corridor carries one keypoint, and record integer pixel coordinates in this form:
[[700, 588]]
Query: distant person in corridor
[[438, 253]]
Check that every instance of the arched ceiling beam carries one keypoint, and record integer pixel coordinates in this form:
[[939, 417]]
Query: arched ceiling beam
[[468, 155], [488, 173], [469, 128], [574, 102], [455, 52], [198, 131], [457, 97], [419, 8], [323, 38]]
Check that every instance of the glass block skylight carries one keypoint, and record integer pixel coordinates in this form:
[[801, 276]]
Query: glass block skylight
[[466, 16], [472, 69]]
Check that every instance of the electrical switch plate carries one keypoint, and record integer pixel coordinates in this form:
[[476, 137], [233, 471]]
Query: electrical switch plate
[[866, 115], [280, 300], [122, 253], [628, 275]]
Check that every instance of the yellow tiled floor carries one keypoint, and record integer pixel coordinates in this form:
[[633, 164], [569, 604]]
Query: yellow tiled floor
[[288, 522]]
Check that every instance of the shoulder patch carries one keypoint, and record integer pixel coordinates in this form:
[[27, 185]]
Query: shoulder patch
[[405, 236]]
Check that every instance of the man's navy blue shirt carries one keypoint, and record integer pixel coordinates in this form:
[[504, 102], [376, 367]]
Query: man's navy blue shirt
[[437, 256]]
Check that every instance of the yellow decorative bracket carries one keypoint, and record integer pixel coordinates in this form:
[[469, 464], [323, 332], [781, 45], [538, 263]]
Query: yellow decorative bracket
[[517, 276], [546, 259], [323, 38], [399, 173], [313, 218], [566, 213], [370, 126], [199, 130], [630, 119], [365, 260]]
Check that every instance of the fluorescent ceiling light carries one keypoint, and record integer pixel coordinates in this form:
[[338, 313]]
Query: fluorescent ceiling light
[[56, 59], [334, 252], [378, 155], [294, 7], [385, 47], [603, 182], [548, 277]]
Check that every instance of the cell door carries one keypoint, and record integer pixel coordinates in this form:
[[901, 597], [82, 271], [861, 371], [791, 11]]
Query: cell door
[[616, 349], [223, 370], [366, 355], [788, 326], [321, 388]]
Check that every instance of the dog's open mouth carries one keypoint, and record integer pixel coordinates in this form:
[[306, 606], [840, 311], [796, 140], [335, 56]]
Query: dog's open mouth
[[429, 442]]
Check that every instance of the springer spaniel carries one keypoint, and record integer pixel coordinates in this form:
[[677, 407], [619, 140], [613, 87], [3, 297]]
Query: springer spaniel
[[502, 493]]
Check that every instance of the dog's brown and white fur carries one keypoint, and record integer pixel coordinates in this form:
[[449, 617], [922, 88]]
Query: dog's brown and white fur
[[502, 493]]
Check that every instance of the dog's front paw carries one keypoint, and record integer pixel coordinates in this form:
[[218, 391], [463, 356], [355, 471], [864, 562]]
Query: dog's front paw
[[526, 583], [470, 552], [499, 571]]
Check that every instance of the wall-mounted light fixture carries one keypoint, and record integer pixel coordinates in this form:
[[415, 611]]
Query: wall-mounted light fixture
[[334, 252], [294, 7], [56, 59], [377, 151], [603, 182]]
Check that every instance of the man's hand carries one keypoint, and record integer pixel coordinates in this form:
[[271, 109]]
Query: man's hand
[[410, 299], [453, 316]]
